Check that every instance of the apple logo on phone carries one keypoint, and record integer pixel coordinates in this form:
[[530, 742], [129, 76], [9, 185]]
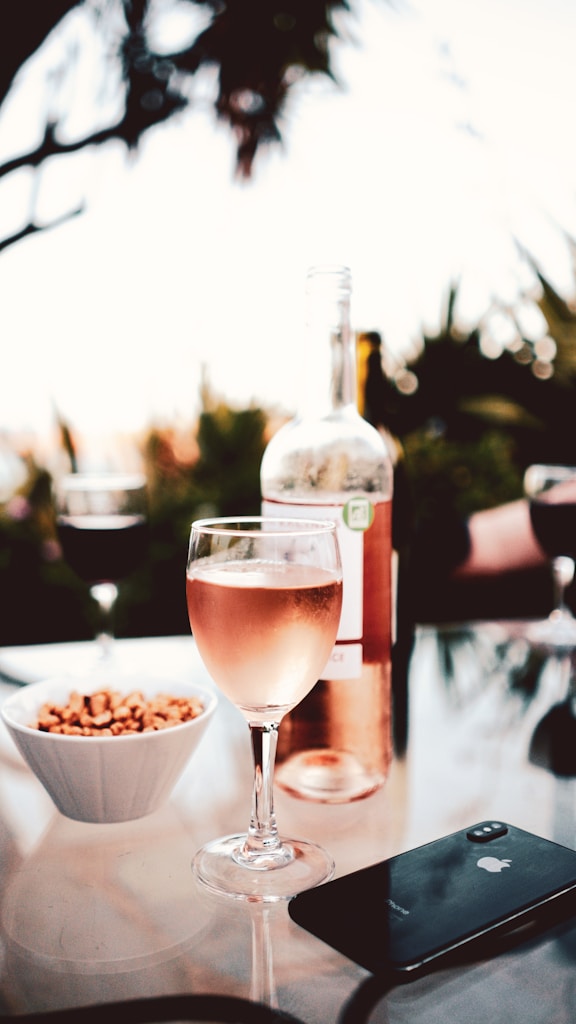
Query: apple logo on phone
[[493, 863]]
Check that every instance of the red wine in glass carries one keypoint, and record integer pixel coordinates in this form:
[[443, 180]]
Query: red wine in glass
[[551, 491], [554, 523], [103, 548]]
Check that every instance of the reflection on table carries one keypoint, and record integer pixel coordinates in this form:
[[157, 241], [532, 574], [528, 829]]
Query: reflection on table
[[93, 914]]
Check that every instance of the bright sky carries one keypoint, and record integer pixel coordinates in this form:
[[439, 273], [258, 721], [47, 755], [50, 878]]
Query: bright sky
[[452, 134]]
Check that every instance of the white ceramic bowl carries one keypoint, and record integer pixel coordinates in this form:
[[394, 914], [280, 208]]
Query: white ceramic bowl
[[106, 778]]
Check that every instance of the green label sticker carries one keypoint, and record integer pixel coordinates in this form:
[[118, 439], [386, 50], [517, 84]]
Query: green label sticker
[[358, 513]]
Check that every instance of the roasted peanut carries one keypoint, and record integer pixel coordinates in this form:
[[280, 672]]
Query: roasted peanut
[[108, 713]]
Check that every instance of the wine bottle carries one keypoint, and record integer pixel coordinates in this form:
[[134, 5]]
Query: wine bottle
[[329, 462]]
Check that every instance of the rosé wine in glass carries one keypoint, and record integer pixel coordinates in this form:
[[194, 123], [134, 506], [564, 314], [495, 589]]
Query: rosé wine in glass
[[264, 600], [279, 644]]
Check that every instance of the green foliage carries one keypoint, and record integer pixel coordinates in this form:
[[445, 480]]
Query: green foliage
[[40, 597], [461, 475], [216, 472], [228, 471], [213, 470], [468, 431], [470, 425]]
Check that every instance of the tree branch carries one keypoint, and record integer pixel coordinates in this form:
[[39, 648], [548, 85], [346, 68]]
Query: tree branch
[[260, 48], [32, 228]]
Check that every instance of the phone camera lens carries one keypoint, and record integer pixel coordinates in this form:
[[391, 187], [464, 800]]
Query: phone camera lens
[[484, 831]]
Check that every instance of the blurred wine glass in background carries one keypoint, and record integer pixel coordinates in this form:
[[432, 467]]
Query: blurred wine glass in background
[[102, 525], [551, 492]]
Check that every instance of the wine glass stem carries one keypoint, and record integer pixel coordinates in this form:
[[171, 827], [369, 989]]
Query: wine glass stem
[[105, 595], [262, 837], [562, 576]]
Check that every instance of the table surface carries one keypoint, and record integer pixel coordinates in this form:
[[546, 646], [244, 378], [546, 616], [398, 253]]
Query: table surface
[[96, 914]]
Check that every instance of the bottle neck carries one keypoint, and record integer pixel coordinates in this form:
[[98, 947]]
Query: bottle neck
[[330, 372]]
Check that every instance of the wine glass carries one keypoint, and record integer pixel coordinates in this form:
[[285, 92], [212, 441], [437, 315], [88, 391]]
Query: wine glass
[[101, 521], [551, 491], [264, 599]]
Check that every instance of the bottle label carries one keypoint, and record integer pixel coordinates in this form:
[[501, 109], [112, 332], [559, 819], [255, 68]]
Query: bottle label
[[358, 513], [345, 662], [351, 519]]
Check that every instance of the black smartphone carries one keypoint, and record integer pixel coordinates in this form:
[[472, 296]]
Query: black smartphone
[[402, 914]]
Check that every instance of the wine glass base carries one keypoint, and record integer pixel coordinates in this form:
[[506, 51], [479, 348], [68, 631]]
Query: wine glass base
[[558, 631], [303, 866]]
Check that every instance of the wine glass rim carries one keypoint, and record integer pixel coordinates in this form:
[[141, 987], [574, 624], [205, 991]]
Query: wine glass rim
[[278, 525], [94, 480], [541, 476]]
